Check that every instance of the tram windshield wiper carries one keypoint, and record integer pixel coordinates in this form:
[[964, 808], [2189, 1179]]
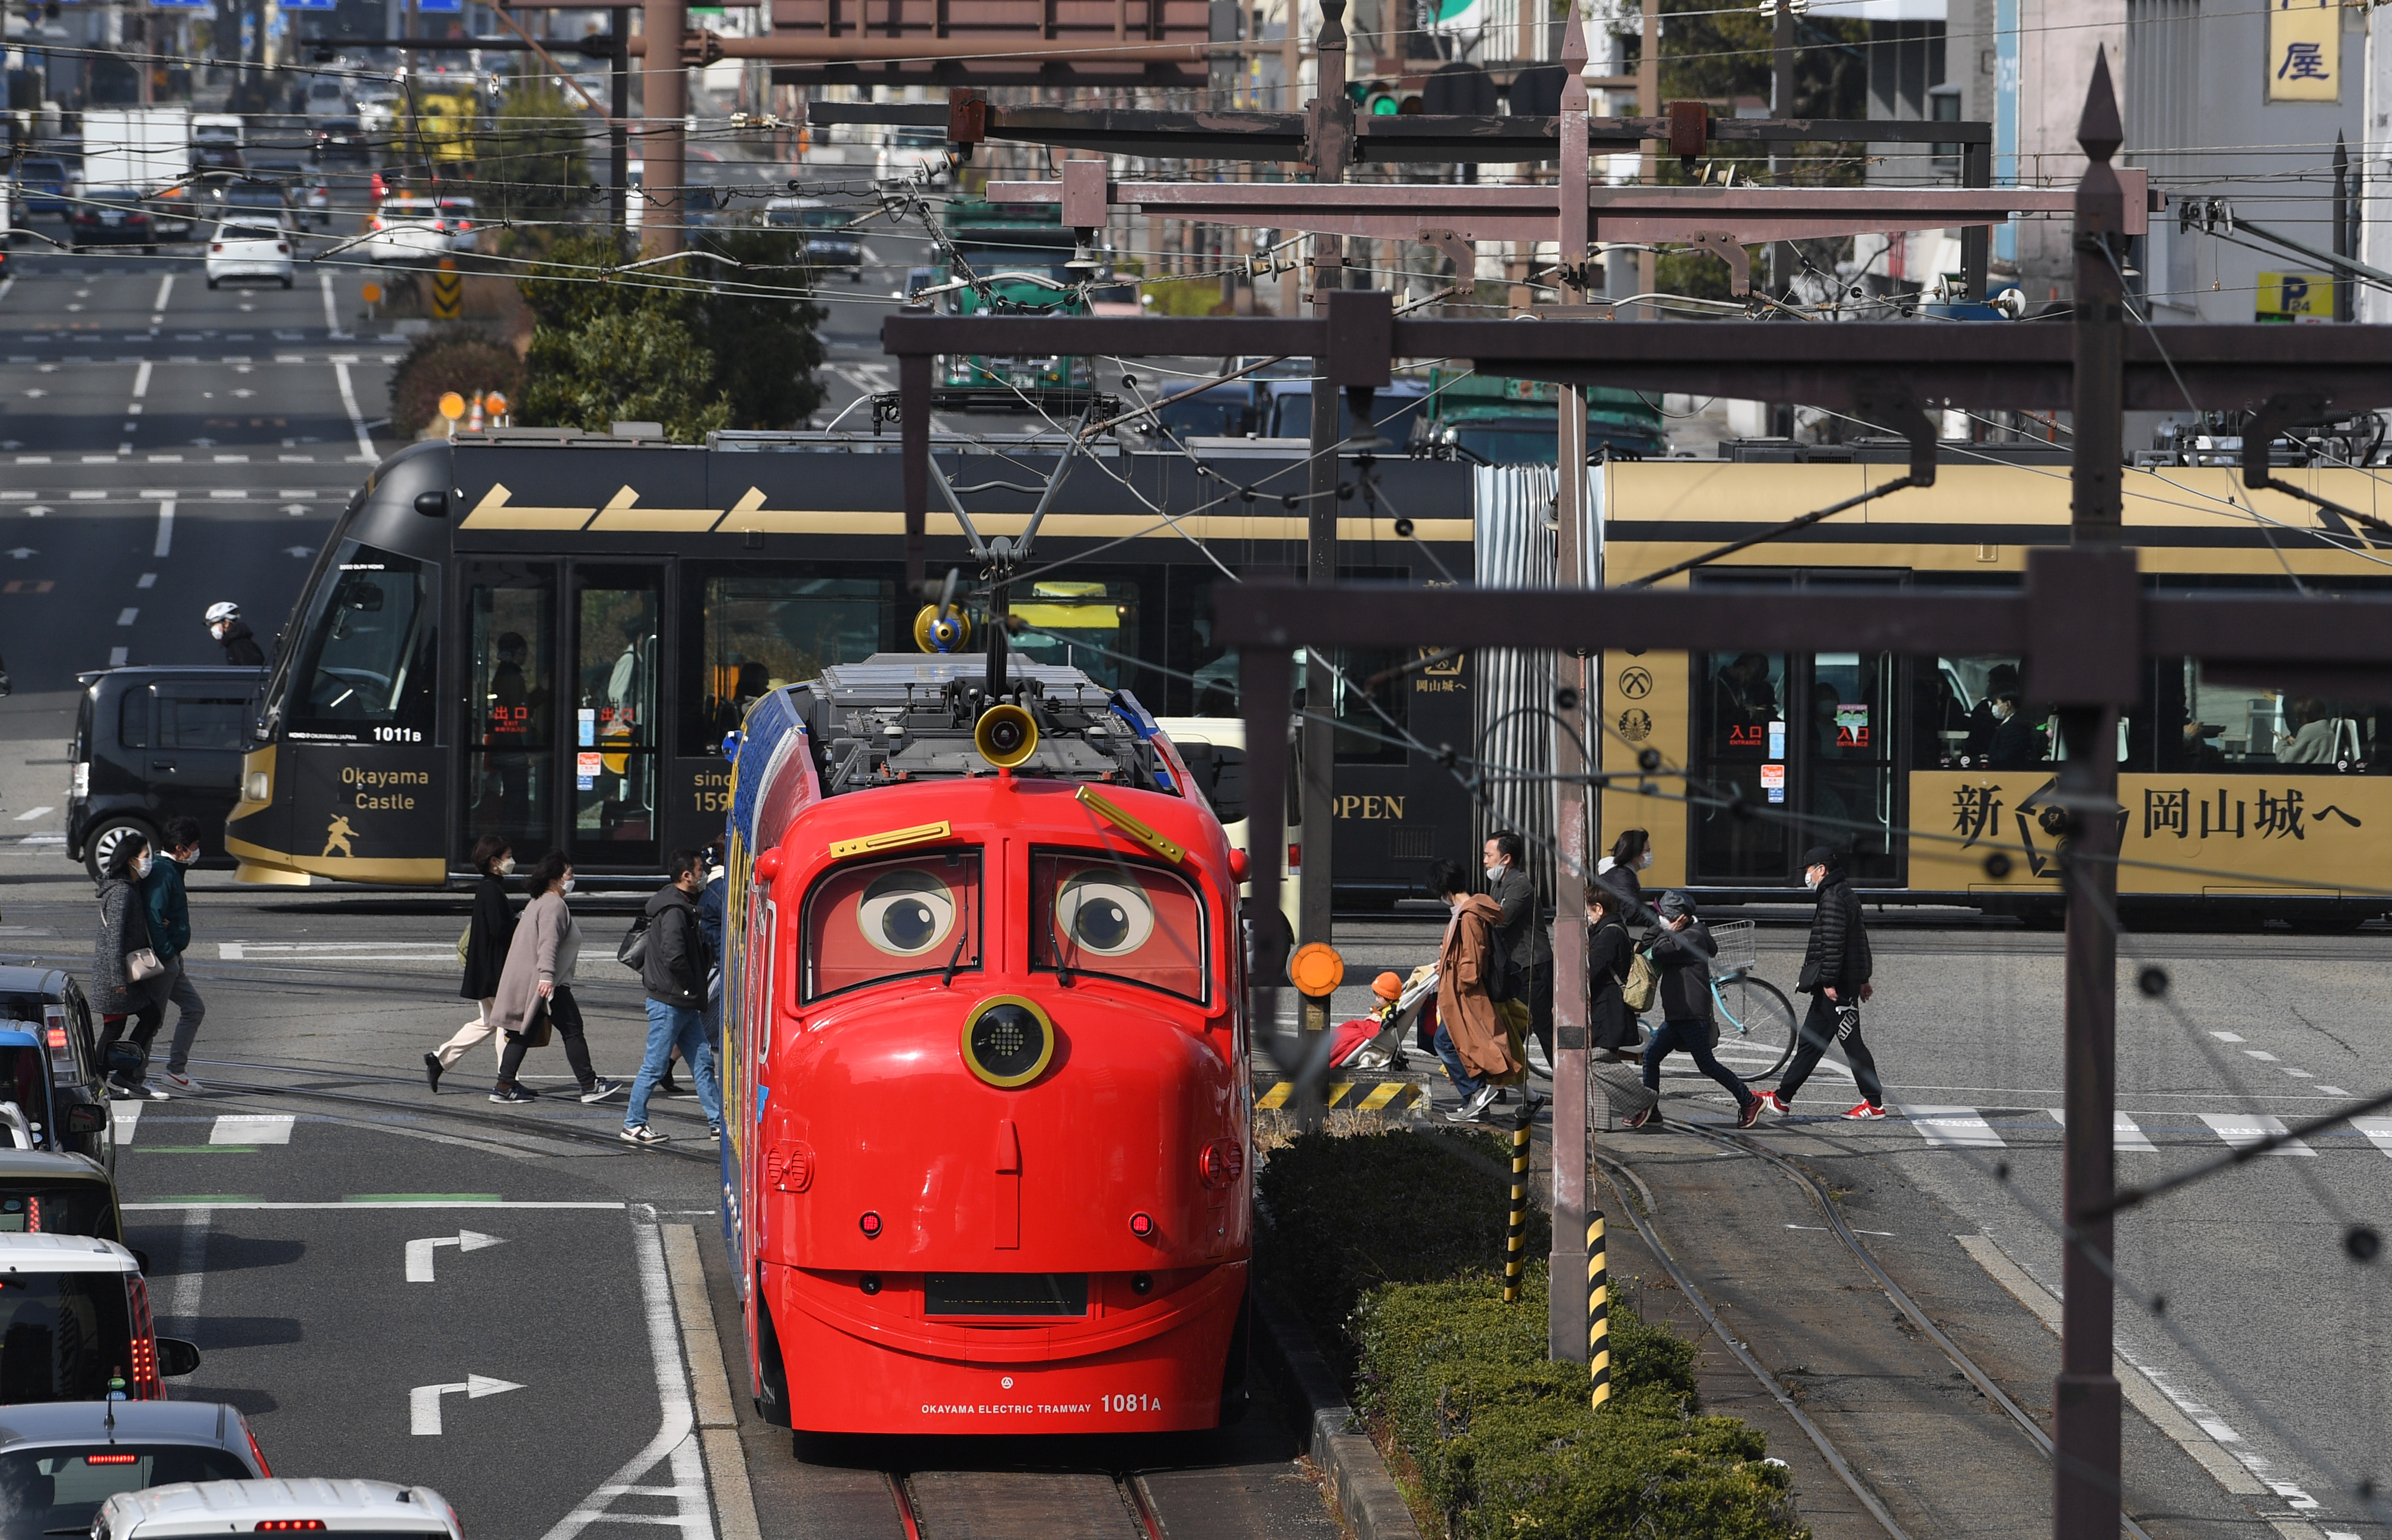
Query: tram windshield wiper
[[954, 958]]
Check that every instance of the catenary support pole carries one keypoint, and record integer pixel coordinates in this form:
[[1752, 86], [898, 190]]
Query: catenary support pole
[[1566, 1314], [663, 97], [618, 138], [2086, 1398], [1332, 135], [914, 442]]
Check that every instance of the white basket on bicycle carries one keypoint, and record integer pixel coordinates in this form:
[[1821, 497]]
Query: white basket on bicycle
[[1737, 948]]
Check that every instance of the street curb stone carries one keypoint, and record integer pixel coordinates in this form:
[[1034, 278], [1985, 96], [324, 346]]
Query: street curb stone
[[1330, 1433]]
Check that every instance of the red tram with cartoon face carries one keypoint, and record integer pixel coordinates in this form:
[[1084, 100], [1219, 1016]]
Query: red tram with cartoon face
[[985, 1059]]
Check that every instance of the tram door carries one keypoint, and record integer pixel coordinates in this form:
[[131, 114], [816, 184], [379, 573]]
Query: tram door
[[564, 708], [617, 618], [1805, 736]]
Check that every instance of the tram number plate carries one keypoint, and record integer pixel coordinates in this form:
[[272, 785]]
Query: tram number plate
[[1131, 1403]]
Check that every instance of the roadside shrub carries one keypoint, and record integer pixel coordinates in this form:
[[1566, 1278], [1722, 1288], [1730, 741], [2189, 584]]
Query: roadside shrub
[[1393, 1249], [442, 363]]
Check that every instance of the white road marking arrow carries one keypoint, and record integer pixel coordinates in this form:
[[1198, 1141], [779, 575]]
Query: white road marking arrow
[[423, 1402], [22, 552], [298, 550], [418, 1255]]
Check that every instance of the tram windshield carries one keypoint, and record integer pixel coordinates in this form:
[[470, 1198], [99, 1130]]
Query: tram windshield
[[1092, 914], [1077, 625], [878, 921], [759, 630], [366, 663]]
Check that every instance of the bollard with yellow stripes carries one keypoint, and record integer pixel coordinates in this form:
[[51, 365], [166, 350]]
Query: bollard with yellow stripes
[[1598, 1309], [1345, 1095], [1516, 1236]]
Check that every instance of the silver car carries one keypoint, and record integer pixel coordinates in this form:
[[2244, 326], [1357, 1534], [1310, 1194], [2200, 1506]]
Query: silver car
[[61, 1460]]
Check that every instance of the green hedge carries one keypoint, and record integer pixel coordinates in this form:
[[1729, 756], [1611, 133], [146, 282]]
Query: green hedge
[[1392, 1250]]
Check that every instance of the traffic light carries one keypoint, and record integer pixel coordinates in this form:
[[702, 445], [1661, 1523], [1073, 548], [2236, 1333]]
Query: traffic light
[[1382, 99]]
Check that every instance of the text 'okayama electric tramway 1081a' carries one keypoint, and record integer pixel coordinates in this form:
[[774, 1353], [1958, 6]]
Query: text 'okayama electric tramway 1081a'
[[983, 1055]]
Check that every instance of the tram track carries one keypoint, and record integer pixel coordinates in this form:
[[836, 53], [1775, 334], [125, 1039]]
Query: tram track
[[1024, 1505], [1637, 1210]]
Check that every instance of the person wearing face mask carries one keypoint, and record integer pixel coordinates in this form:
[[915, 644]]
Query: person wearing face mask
[[2013, 746], [170, 936], [1616, 873], [1835, 970], [487, 935], [1520, 933], [1471, 1036], [537, 981], [232, 634], [125, 947], [1683, 950]]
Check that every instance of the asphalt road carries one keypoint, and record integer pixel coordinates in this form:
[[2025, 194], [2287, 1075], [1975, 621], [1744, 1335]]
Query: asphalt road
[[163, 446]]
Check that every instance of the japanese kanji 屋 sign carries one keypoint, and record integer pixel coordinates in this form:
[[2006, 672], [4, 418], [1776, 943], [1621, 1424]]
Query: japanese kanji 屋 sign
[[2246, 832], [2304, 50]]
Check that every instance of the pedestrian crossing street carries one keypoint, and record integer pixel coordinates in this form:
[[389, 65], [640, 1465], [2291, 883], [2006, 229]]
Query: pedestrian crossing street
[[2135, 1133]]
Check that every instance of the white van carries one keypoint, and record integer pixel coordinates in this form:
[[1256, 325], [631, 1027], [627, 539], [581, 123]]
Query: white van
[[379, 1508], [83, 1300]]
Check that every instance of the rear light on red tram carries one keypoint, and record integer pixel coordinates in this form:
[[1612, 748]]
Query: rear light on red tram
[[870, 1225], [1223, 1162], [1141, 1225]]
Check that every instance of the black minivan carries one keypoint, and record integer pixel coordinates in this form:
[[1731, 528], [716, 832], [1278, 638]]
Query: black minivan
[[153, 742]]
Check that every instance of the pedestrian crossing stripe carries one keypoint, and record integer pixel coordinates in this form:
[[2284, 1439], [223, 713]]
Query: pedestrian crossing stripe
[[229, 1130], [1348, 1096], [1973, 1127]]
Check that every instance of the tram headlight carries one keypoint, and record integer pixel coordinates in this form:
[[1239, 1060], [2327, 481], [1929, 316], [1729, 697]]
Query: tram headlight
[[1008, 1040], [260, 788]]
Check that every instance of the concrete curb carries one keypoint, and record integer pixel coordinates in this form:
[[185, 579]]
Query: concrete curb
[[1366, 1492]]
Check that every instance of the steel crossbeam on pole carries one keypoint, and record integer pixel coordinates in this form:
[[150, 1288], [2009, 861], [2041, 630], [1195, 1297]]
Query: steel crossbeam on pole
[[1407, 137], [1405, 211]]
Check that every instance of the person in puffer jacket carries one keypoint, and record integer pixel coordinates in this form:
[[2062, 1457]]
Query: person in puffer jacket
[[1836, 975]]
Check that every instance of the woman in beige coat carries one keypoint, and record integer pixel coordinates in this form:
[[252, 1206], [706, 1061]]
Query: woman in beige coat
[[539, 976]]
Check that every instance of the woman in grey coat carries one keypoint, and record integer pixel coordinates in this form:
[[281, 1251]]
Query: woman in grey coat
[[538, 974], [123, 929]]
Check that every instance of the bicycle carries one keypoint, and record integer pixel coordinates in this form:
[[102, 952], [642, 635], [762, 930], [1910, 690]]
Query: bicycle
[[1744, 999]]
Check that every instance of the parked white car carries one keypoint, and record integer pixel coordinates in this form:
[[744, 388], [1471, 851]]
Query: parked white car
[[407, 229], [249, 254]]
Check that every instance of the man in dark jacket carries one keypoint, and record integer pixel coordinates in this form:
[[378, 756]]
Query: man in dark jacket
[[1522, 933], [673, 972], [170, 936], [1683, 950], [1836, 975]]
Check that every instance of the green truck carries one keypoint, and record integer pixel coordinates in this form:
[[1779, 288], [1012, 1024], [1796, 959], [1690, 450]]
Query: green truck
[[1491, 420], [1020, 252]]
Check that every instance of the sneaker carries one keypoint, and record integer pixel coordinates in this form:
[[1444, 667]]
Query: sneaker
[[154, 1091], [120, 1093], [432, 1068], [1777, 1103], [603, 1090], [1649, 1118], [511, 1096], [1866, 1113], [640, 1133], [1751, 1112], [1473, 1105], [182, 1085], [714, 1131]]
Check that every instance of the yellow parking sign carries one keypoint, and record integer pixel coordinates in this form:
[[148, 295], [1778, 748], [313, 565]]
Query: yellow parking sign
[[2295, 296], [2304, 50]]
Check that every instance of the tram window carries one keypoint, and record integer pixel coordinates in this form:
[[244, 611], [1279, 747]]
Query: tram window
[[1088, 626], [192, 724], [876, 920], [511, 685], [368, 663], [1371, 717], [2235, 727], [759, 630], [1116, 918], [1980, 719]]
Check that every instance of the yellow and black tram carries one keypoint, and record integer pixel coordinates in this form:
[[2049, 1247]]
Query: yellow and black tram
[[547, 635], [2241, 802]]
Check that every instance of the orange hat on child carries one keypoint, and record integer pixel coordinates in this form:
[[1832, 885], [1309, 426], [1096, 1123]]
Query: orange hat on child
[[1387, 987]]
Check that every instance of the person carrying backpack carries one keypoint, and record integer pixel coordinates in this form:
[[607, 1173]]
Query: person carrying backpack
[[671, 953], [1836, 968], [1682, 947]]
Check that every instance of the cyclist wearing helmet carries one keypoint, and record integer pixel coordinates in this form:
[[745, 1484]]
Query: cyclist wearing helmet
[[241, 648]]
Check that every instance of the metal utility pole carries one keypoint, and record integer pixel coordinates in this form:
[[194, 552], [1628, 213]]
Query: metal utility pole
[[663, 97], [1333, 138], [1782, 259], [1566, 1321], [2344, 289], [618, 140], [1649, 105], [2090, 585]]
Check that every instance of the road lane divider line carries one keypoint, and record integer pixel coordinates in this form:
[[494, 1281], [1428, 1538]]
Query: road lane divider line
[[717, 1420], [357, 418], [141, 378], [158, 306], [332, 311], [165, 542], [674, 1442], [123, 1120], [182, 1298], [2181, 1429]]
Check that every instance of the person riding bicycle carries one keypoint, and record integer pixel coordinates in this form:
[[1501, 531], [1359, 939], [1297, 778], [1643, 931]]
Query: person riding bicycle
[[1835, 970], [232, 632]]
